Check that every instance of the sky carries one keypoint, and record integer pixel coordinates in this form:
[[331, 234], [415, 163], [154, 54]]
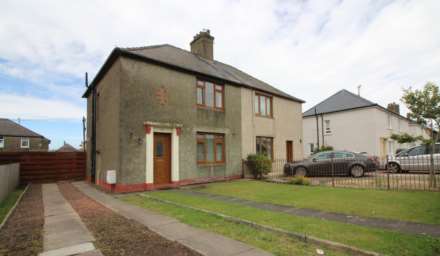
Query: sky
[[309, 49]]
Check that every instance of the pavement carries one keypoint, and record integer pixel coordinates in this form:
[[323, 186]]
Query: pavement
[[202, 241], [64, 233], [388, 224]]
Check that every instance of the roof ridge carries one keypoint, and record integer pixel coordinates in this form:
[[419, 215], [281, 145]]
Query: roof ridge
[[143, 47]]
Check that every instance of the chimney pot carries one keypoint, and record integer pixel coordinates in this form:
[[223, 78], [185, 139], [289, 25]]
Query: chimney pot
[[203, 44]]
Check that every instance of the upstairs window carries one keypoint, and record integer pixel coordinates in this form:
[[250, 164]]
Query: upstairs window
[[24, 143], [210, 95], [328, 130], [263, 105], [2, 142], [210, 148]]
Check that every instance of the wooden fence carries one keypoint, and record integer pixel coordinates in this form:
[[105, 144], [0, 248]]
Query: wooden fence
[[39, 167]]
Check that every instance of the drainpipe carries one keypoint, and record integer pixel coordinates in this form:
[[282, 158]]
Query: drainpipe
[[93, 137], [322, 129], [317, 128]]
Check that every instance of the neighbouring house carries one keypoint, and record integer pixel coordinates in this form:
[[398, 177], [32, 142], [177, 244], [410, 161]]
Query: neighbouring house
[[16, 138], [66, 147], [347, 121], [163, 116]]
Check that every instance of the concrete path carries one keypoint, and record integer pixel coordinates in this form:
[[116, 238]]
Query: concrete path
[[395, 225], [204, 242], [64, 233]]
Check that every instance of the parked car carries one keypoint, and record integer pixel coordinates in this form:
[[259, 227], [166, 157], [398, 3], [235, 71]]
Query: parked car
[[414, 159], [345, 163]]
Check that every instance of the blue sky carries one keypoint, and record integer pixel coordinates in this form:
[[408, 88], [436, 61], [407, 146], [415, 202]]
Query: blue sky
[[310, 49]]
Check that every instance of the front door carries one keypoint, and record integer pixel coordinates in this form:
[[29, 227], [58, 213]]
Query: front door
[[289, 151], [162, 158]]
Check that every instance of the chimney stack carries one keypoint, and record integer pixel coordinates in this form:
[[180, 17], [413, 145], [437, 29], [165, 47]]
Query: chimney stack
[[394, 107], [203, 45]]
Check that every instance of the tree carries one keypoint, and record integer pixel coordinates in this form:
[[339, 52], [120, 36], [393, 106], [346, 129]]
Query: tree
[[424, 108]]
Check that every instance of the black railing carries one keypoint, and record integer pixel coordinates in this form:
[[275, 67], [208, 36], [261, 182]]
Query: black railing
[[410, 173]]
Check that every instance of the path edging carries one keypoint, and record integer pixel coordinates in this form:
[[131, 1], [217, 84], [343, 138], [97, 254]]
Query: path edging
[[13, 207], [302, 237]]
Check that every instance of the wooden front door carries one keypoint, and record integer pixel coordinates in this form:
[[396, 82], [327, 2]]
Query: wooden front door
[[289, 151], [162, 158]]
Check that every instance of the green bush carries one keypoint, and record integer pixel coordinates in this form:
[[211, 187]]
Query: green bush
[[300, 180], [324, 148], [259, 164]]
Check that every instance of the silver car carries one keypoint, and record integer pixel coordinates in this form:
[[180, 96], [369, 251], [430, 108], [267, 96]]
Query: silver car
[[415, 159]]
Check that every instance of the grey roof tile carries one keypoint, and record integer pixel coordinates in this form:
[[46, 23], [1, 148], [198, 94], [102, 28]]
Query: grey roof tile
[[11, 128], [184, 59], [342, 100]]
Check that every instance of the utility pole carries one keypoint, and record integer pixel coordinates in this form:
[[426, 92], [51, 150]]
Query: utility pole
[[84, 134], [359, 89]]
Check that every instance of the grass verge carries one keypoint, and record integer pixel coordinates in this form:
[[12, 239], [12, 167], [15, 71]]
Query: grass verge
[[415, 206], [372, 239], [9, 202], [273, 243]]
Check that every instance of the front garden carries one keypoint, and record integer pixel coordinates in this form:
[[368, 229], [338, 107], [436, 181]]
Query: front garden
[[421, 207]]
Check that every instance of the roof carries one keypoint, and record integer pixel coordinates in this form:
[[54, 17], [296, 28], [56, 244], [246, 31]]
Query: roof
[[11, 128], [340, 101], [186, 61], [66, 147]]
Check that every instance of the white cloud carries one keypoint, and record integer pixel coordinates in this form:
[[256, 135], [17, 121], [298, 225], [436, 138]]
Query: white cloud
[[310, 49], [15, 106]]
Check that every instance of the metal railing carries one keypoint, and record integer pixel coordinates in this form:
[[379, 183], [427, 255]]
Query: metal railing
[[413, 174]]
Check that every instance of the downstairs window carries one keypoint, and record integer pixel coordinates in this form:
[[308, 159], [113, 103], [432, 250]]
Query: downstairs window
[[210, 148]]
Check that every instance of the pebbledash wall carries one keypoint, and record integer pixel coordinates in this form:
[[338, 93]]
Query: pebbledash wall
[[135, 100]]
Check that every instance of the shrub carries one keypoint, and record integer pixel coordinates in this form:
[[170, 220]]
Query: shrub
[[324, 148], [300, 180], [259, 164]]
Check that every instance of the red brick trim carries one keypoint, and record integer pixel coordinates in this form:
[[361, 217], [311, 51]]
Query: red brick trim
[[147, 128], [127, 188]]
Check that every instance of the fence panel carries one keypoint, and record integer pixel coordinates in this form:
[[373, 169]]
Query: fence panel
[[38, 167]]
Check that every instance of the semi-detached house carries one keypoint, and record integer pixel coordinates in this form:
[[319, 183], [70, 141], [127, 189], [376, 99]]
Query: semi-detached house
[[162, 116], [347, 121]]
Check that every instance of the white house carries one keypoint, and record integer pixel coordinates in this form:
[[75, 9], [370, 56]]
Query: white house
[[347, 121]]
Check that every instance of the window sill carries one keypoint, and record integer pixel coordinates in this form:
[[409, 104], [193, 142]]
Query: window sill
[[211, 108], [210, 164], [268, 117]]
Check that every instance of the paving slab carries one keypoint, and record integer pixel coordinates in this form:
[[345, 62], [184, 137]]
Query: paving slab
[[202, 241], [71, 250], [63, 230]]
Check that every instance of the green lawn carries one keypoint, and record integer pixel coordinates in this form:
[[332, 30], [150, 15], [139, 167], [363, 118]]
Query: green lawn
[[274, 243], [417, 206], [378, 240], [8, 203]]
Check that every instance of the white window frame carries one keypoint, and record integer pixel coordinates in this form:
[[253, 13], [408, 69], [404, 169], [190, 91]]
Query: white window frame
[[390, 122], [328, 129], [23, 140], [2, 141]]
